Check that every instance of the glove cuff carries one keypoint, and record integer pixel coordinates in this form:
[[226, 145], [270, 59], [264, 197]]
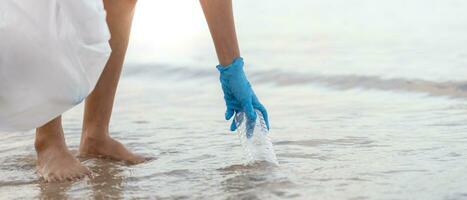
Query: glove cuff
[[237, 64]]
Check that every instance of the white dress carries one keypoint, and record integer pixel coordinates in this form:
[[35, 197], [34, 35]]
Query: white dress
[[52, 53]]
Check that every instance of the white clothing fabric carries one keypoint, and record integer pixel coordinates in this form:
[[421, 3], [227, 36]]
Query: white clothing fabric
[[52, 53]]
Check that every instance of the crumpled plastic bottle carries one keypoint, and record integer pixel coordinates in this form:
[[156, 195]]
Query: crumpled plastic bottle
[[254, 138]]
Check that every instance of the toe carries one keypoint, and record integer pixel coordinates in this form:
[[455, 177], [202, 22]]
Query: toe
[[77, 177], [138, 160], [84, 171], [74, 176], [70, 178], [51, 177], [79, 173], [60, 177]]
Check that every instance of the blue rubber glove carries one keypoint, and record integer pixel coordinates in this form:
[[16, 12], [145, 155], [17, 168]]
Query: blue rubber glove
[[238, 94]]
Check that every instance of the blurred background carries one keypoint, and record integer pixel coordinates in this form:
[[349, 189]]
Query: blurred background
[[410, 39], [366, 101]]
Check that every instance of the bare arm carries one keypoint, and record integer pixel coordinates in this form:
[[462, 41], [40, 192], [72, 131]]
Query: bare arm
[[219, 16]]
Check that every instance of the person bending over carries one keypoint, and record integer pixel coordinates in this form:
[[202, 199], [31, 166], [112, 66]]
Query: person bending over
[[56, 163]]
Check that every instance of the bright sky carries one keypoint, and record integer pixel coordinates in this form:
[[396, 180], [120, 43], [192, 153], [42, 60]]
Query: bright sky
[[164, 30]]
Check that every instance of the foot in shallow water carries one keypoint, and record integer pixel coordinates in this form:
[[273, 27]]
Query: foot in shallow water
[[55, 163], [107, 147]]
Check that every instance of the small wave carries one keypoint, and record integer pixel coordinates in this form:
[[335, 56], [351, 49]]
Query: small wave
[[18, 182], [257, 165], [403, 171], [455, 89], [347, 141]]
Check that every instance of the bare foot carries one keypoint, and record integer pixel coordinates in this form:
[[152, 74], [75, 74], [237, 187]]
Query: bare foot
[[56, 164], [107, 147], [54, 161]]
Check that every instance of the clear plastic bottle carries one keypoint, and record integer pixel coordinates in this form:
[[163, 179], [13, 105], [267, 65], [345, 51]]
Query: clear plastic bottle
[[254, 138]]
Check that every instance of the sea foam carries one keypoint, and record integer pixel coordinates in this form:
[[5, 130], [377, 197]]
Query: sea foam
[[254, 137]]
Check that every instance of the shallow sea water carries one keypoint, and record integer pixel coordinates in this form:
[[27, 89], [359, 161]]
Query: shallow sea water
[[372, 111]]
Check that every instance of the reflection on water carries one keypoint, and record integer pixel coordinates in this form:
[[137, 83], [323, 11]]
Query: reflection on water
[[258, 180], [106, 183]]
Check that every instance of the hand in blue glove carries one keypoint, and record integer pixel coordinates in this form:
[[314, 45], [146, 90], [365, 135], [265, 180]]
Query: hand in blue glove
[[238, 94]]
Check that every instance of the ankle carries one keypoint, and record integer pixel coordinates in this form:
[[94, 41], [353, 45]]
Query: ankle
[[46, 140], [92, 136], [50, 135], [92, 143]]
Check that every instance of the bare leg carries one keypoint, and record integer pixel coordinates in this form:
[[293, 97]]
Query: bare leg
[[95, 139], [219, 16], [54, 160]]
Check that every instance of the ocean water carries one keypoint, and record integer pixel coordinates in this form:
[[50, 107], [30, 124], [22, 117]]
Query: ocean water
[[367, 100], [255, 140]]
